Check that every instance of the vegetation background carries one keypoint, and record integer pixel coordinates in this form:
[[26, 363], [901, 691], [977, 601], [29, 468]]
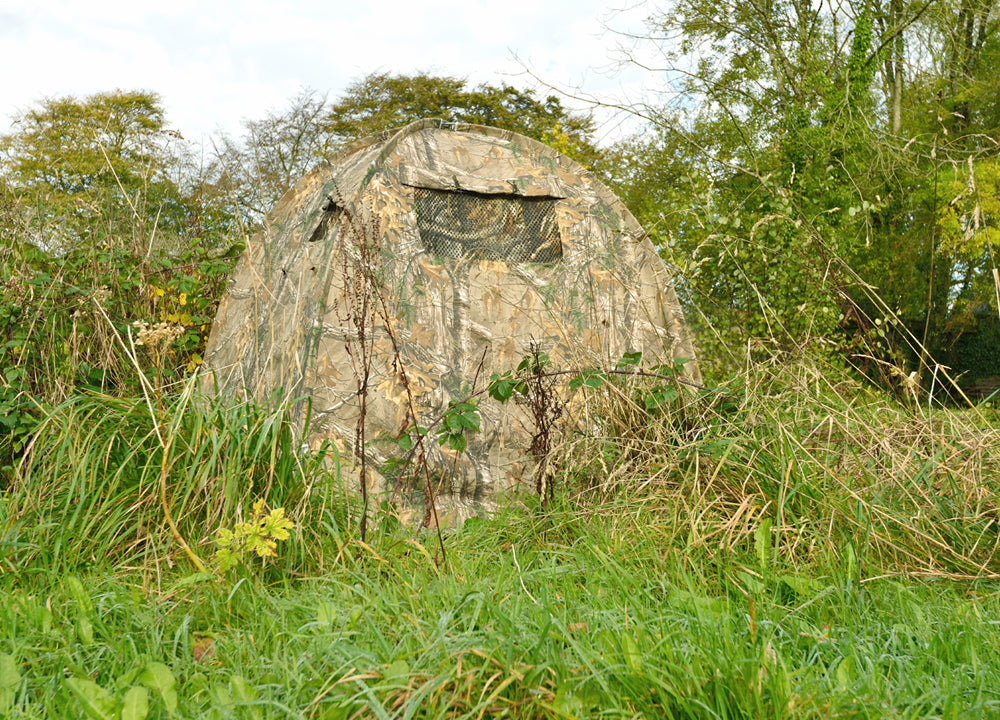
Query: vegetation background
[[815, 534]]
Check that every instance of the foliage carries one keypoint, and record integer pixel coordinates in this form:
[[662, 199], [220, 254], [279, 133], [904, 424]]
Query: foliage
[[971, 342], [97, 239], [968, 223], [273, 154], [803, 190], [382, 101], [257, 536], [462, 417], [106, 156], [583, 612]]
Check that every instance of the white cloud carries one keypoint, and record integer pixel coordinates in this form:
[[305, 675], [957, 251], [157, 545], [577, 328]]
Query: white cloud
[[216, 62]]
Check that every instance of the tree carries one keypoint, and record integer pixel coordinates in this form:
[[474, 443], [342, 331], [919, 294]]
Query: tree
[[770, 108], [278, 150], [382, 101], [111, 152], [274, 152], [811, 164]]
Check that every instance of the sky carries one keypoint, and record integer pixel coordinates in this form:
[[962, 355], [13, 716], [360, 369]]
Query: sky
[[216, 63]]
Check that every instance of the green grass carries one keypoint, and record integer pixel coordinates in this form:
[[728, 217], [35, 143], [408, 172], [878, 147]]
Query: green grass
[[605, 621], [793, 546]]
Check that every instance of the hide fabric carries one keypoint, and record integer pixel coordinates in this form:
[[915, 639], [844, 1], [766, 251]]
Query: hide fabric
[[437, 255]]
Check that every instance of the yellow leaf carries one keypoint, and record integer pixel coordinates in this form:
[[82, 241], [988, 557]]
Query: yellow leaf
[[183, 300]]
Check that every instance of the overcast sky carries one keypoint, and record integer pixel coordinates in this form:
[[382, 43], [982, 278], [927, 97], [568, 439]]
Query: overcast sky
[[217, 62]]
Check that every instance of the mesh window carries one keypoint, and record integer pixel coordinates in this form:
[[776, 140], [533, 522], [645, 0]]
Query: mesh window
[[465, 225]]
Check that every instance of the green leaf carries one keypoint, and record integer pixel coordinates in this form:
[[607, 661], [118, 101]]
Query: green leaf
[[801, 585], [277, 525], [470, 420], [710, 609], [658, 398], [762, 542], [95, 700], [224, 538], [633, 657], [630, 359], [752, 583], [457, 442], [326, 613], [197, 578], [85, 630], [501, 389], [242, 691], [135, 704], [83, 601], [220, 695], [157, 677], [845, 672], [397, 670], [226, 559], [170, 700], [568, 703], [356, 614], [10, 675], [588, 378]]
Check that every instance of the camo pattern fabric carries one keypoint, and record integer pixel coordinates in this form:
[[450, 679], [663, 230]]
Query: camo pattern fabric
[[355, 276]]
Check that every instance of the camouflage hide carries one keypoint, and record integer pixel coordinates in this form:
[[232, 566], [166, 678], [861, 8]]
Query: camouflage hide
[[425, 259]]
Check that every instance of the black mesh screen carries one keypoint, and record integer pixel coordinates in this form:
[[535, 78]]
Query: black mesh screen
[[488, 227]]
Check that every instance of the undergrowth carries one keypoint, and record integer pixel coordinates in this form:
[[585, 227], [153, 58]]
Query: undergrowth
[[802, 458], [790, 544], [830, 466]]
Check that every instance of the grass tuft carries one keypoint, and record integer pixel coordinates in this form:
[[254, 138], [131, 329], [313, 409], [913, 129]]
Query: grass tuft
[[113, 481]]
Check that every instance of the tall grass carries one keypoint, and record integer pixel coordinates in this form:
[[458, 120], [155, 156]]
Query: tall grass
[[792, 459], [119, 481], [792, 544], [805, 457]]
